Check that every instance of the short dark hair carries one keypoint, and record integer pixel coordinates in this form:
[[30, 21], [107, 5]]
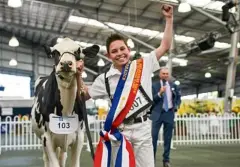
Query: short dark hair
[[114, 37]]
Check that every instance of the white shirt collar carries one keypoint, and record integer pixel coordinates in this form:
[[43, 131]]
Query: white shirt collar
[[162, 83], [113, 71]]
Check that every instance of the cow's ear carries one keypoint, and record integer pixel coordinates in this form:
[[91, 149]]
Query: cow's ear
[[91, 51], [48, 50], [79, 54]]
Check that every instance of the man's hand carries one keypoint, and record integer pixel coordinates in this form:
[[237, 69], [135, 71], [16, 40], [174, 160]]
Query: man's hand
[[162, 90], [81, 86], [167, 11], [80, 66]]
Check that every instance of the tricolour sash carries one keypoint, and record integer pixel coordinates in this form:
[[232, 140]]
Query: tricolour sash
[[123, 99]]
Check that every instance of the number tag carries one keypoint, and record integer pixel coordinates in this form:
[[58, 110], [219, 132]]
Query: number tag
[[138, 103], [63, 125]]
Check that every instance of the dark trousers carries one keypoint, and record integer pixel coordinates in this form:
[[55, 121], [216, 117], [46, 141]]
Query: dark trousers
[[167, 119]]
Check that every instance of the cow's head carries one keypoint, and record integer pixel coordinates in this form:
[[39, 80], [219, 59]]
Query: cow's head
[[66, 53]]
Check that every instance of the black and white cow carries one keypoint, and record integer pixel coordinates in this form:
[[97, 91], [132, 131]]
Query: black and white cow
[[57, 116]]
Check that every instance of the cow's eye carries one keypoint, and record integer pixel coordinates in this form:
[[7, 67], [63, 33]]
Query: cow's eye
[[55, 53], [78, 54]]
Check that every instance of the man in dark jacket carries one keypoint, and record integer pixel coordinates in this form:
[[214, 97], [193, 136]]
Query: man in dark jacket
[[167, 99]]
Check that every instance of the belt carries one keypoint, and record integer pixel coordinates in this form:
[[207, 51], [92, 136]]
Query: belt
[[168, 110], [136, 120]]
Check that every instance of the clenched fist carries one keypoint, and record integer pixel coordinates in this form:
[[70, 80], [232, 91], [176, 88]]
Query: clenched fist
[[167, 11], [162, 90]]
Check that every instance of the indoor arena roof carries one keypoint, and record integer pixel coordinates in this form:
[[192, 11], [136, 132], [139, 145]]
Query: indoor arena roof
[[88, 21]]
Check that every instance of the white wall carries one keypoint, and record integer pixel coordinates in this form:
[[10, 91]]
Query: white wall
[[15, 86]]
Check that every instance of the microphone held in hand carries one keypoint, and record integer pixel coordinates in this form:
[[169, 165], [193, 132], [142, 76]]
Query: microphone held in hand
[[164, 82]]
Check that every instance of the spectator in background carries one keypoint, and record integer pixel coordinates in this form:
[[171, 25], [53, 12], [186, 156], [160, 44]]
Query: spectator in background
[[167, 99]]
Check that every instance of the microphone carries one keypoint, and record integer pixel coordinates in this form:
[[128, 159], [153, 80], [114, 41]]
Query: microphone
[[164, 82]]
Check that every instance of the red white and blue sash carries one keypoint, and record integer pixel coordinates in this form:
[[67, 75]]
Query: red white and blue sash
[[123, 99]]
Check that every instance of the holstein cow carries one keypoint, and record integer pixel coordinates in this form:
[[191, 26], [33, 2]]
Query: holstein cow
[[57, 112]]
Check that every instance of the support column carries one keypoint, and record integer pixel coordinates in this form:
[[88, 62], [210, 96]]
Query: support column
[[35, 65], [35, 71], [209, 15], [231, 73], [197, 90], [220, 92]]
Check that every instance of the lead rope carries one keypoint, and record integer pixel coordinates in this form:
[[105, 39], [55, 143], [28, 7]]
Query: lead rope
[[81, 96], [81, 89]]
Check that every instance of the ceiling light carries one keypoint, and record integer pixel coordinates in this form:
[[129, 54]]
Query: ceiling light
[[184, 7], [149, 33], [177, 82], [184, 39], [13, 42], [208, 75], [13, 62], [77, 19], [100, 63], [201, 3], [130, 43], [152, 74], [183, 63], [15, 3], [96, 23], [132, 29], [221, 45]]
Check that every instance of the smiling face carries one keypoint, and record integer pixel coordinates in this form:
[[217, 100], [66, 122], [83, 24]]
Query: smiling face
[[119, 53], [117, 50]]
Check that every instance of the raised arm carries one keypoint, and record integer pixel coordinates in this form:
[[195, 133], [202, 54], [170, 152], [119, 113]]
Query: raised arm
[[165, 45]]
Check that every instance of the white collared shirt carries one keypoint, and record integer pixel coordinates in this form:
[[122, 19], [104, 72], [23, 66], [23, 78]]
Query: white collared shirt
[[98, 88], [169, 93]]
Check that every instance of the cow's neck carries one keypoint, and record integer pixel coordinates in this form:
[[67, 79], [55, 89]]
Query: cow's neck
[[65, 82], [68, 93]]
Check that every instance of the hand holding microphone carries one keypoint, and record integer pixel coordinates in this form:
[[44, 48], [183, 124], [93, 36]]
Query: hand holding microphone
[[163, 87]]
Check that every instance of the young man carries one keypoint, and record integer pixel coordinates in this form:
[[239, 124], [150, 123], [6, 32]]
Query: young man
[[137, 128]]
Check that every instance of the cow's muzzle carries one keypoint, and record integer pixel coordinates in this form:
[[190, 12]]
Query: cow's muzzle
[[66, 66]]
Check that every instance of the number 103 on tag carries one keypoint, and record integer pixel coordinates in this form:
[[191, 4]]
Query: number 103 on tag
[[63, 125]]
